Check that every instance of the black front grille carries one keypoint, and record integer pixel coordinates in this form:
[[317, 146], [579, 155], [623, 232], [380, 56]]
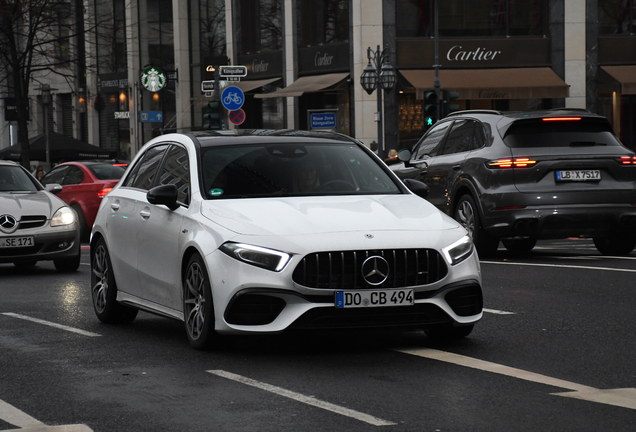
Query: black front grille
[[465, 301], [254, 309], [343, 269], [31, 222], [419, 315]]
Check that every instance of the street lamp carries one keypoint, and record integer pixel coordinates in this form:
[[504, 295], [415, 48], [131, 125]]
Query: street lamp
[[45, 99], [379, 75]]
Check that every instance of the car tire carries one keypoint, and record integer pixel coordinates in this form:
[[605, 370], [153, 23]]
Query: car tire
[[519, 245], [198, 307], [467, 214], [81, 220], [615, 244], [67, 265], [104, 288], [448, 332]]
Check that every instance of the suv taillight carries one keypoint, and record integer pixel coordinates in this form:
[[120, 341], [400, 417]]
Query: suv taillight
[[627, 160], [510, 163]]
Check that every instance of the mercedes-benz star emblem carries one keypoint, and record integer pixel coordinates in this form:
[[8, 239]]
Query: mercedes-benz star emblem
[[375, 270], [8, 223]]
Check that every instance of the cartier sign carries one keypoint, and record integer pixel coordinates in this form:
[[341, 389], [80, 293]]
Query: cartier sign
[[267, 64], [324, 58], [419, 53]]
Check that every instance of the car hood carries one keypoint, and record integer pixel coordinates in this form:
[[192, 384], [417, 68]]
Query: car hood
[[39, 203], [316, 215]]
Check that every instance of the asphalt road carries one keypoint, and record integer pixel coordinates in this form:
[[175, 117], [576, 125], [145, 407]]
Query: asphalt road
[[555, 351]]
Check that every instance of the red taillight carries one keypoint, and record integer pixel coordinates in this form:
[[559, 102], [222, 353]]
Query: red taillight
[[509, 163], [121, 165], [561, 119], [627, 160], [102, 193]]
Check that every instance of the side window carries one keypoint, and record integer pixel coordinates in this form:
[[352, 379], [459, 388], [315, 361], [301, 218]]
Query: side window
[[431, 143], [73, 176], [479, 136], [144, 172], [176, 171], [460, 138], [55, 176]]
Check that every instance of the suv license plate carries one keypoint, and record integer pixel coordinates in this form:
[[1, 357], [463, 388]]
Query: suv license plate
[[16, 242], [375, 298], [578, 175]]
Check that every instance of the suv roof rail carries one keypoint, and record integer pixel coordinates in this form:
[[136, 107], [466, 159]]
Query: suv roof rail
[[570, 109], [475, 111]]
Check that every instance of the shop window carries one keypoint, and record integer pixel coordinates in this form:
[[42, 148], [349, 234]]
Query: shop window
[[472, 18], [617, 16], [261, 26], [323, 22]]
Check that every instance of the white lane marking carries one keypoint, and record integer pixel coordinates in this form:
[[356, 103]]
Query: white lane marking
[[625, 398], [51, 324], [14, 416], [309, 400], [560, 266], [498, 312]]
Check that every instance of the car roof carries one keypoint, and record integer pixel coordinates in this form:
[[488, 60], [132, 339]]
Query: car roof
[[253, 136]]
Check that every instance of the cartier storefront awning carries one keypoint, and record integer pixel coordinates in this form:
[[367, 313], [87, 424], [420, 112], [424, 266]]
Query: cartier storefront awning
[[625, 75], [306, 84], [250, 85], [503, 83]]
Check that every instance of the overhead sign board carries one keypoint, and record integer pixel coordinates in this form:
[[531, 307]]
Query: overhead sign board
[[233, 71]]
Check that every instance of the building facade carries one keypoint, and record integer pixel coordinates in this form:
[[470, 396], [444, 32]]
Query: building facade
[[304, 57]]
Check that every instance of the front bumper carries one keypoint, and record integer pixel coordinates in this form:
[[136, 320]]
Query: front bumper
[[50, 243]]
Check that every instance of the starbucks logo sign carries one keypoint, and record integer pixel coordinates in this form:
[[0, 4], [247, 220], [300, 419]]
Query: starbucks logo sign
[[153, 79]]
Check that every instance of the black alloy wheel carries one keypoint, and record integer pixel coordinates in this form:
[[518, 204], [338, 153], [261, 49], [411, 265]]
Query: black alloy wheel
[[104, 288], [198, 308], [616, 244]]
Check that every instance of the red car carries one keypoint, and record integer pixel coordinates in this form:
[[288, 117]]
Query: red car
[[84, 184]]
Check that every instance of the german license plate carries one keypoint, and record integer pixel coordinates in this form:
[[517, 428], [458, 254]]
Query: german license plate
[[375, 298], [16, 242], [578, 175]]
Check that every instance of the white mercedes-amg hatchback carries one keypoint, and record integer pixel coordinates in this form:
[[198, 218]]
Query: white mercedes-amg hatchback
[[244, 232]]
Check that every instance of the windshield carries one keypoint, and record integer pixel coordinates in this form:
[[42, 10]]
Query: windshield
[[292, 169], [15, 179]]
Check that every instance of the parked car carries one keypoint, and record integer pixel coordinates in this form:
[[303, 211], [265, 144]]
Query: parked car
[[84, 184], [523, 176], [35, 225], [221, 231]]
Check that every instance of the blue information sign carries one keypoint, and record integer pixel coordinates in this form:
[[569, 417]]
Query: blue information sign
[[151, 117], [322, 120], [232, 98]]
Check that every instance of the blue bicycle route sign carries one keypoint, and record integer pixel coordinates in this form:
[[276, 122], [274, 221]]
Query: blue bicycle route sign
[[232, 98]]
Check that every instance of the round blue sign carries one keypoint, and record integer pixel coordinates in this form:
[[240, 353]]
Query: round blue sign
[[232, 98]]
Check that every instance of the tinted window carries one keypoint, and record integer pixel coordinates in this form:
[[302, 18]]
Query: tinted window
[[460, 138], [479, 136], [14, 178], [73, 176], [292, 169], [581, 133], [431, 143], [176, 171], [143, 173], [56, 175], [107, 171]]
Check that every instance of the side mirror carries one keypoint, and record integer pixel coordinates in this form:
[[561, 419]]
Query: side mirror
[[54, 188], [164, 195], [404, 155], [417, 187]]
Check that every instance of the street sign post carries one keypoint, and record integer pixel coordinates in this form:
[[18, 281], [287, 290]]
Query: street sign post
[[237, 116], [207, 86], [232, 98], [151, 117], [233, 71]]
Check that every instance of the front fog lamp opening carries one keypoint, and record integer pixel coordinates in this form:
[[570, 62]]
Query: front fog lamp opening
[[458, 251], [64, 216], [258, 256]]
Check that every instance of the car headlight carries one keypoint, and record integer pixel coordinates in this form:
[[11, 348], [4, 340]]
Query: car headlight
[[258, 256], [64, 216], [458, 251]]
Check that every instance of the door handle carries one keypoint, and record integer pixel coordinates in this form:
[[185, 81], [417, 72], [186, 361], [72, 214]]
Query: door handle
[[114, 206], [145, 213], [457, 167]]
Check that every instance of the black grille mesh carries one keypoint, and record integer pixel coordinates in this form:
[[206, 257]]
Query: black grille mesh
[[343, 269], [31, 222]]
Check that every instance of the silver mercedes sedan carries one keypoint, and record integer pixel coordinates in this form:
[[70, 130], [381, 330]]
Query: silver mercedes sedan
[[256, 232], [35, 225]]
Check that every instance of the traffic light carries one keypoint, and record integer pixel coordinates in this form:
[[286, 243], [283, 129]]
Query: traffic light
[[447, 106], [430, 108], [212, 115]]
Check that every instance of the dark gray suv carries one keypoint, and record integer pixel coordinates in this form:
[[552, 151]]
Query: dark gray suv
[[523, 176]]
